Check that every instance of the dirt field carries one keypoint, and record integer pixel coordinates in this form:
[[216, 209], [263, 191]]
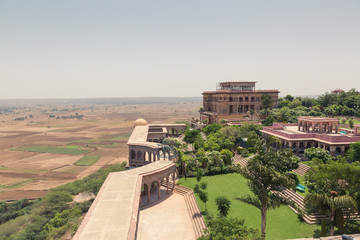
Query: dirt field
[[104, 129]]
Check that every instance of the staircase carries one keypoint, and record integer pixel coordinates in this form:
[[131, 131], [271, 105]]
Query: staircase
[[302, 169], [197, 219], [299, 200], [238, 159]]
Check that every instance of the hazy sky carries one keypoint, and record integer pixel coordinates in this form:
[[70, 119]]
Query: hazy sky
[[77, 49]]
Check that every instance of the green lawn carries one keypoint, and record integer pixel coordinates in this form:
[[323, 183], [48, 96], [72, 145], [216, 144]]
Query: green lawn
[[87, 161], [282, 223], [302, 182], [74, 150]]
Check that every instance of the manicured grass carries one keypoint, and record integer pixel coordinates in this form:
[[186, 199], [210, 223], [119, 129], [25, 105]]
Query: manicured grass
[[73, 150], [308, 163], [302, 182], [87, 161], [282, 223]]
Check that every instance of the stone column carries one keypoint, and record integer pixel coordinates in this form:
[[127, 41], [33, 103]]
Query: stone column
[[332, 149], [342, 150], [173, 185], [167, 184], [148, 193], [159, 185], [297, 147]]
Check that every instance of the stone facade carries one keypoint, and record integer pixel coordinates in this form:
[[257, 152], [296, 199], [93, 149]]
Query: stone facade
[[233, 100], [310, 132], [145, 142]]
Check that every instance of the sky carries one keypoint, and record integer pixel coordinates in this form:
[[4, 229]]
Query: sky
[[168, 48]]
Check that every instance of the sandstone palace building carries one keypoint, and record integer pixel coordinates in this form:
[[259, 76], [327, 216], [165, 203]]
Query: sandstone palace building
[[233, 100]]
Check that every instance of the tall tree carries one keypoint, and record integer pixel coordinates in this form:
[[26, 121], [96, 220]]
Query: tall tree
[[328, 192], [266, 101], [354, 151], [223, 206], [265, 180]]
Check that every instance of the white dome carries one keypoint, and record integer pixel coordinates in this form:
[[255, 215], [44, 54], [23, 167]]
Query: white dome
[[140, 122]]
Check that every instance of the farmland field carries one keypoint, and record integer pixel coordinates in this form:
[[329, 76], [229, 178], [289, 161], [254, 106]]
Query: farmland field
[[46, 150], [87, 161]]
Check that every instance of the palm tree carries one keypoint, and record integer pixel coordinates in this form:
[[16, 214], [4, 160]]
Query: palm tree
[[265, 181], [329, 204]]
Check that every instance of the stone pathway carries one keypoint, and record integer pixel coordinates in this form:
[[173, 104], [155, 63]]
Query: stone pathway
[[193, 209], [302, 169], [168, 219]]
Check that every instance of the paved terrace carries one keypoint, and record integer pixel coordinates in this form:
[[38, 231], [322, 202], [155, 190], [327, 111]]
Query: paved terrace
[[114, 213]]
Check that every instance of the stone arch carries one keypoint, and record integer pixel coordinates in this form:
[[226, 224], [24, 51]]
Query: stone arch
[[346, 149], [132, 154], [139, 155], [337, 150]]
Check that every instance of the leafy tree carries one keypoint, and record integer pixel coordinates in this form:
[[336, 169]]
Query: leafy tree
[[351, 123], [354, 152], [199, 174], [308, 102], [226, 156], [266, 101], [190, 136], [328, 193], [228, 228], [283, 115], [212, 128], [252, 112], [295, 103], [266, 112], [223, 206], [265, 180], [199, 142], [181, 162], [318, 153], [247, 129], [235, 133], [327, 99], [289, 98], [215, 158], [287, 161], [174, 142], [203, 186], [217, 141], [204, 198], [268, 121]]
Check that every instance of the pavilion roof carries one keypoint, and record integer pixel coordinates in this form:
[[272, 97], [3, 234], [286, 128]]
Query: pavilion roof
[[317, 119]]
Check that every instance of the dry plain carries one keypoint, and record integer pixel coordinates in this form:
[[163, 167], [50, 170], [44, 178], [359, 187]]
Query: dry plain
[[40, 152]]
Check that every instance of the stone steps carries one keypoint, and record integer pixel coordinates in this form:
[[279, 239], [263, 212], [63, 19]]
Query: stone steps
[[238, 159], [197, 219]]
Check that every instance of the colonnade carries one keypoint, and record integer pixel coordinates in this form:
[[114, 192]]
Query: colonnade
[[318, 126], [155, 181], [299, 146]]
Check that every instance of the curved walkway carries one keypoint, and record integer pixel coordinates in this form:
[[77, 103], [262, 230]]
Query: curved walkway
[[114, 212]]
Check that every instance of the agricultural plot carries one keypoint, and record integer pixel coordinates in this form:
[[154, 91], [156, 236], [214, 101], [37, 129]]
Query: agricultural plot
[[73, 150], [87, 161], [43, 152]]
